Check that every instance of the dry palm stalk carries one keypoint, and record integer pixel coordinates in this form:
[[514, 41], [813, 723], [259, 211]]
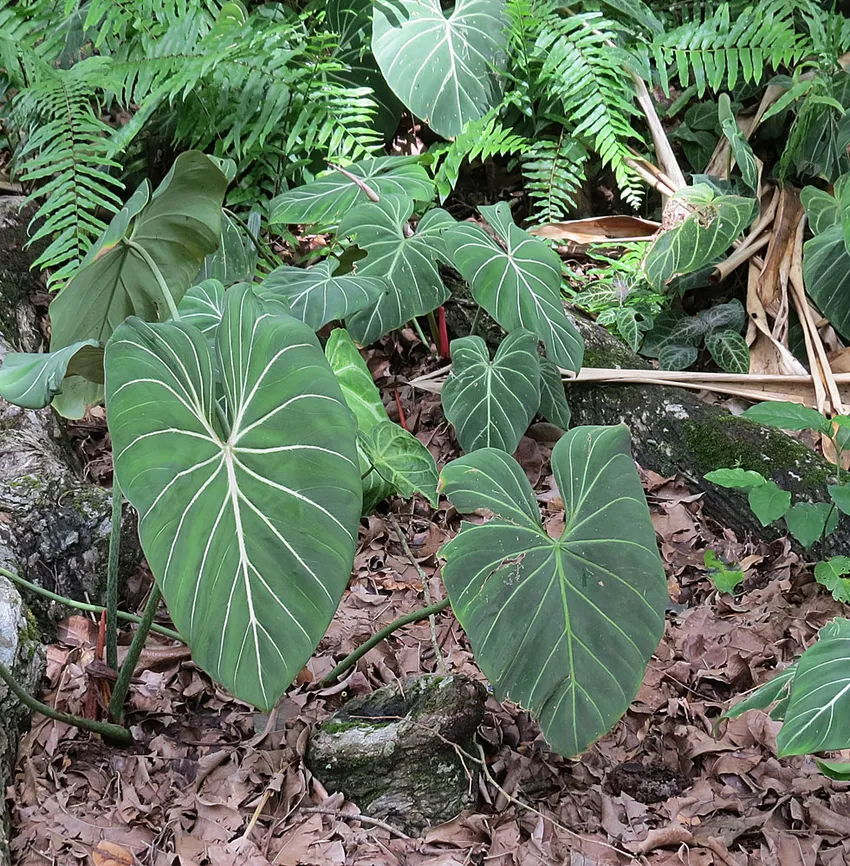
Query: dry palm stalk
[[774, 279]]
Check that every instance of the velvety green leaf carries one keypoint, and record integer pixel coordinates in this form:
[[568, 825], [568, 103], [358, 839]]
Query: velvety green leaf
[[491, 403], [724, 578], [517, 282], [737, 479], [328, 199], [664, 325], [564, 627], [363, 398], [787, 416], [818, 715], [407, 264], [765, 695], [674, 357], [553, 396], [175, 230], [77, 396], [822, 209], [315, 296], [838, 770], [826, 271], [351, 20], [627, 325], [705, 234], [446, 68], [689, 331], [809, 521], [741, 150], [203, 307], [831, 574], [729, 349], [250, 534], [769, 502], [720, 316], [31, 380], [235, 260], [402, 461]]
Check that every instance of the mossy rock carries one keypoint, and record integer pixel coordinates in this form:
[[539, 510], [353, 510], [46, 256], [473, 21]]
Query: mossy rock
[[391, 751]]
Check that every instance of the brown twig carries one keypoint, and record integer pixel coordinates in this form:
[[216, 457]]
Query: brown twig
[[349, 816], [358, 181], [432, 620]]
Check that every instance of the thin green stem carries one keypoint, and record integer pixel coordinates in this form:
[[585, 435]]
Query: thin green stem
[[435, 331], [122, 684], [84, 605], [160, 280], [420, 333], [353, 657], [259, 244], [114, 733], [474, 327], [112, 578]]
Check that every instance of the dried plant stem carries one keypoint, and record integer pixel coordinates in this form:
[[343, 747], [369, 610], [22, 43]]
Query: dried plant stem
[[112, 578], [113, 733], [432, 620], [348, 816]]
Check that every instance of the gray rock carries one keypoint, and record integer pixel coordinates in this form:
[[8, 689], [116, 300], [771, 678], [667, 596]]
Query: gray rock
[[391, 752], [22, 653]]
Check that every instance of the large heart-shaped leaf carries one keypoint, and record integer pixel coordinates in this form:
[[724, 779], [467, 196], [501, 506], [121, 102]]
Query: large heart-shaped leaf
[[408, 264], [203, 307], [326, 200], [518, 282], [705, 234], [351, 20], [363, 398], [315, 296], [446, 70], [817, 718], [563, 626], [826, 272], [250, 533], [31, 380], [491, 404], [147, 249]]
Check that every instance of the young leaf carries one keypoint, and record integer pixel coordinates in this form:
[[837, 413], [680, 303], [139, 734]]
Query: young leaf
[[251, 533], [565, 626], [787, 416], [838, 770], [769, 502], [235, 260], [675, 357], [175, 230], [445, 69], [809, 521], [407, 264], [830, 574], [491, 403], [822, 209], [738, 479], [627, 325], [364, 400], [402, 461], [315, 296], [328, 199], [725, 579], [741, 150], [729, 349], [840, 495], [729, 315], [31, 380], [553, 397], [818, 715], [699, 239], [518, 282], [203, 307]]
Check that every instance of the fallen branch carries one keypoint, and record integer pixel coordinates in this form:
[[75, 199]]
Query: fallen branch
[[356, 816]]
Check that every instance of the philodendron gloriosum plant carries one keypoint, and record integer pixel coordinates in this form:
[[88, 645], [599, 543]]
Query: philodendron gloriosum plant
[[250, 452]]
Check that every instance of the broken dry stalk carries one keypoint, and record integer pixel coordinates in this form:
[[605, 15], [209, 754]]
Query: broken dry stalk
[[112, 578], [358, 181]]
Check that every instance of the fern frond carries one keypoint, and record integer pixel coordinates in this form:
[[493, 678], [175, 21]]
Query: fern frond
[[480, 139], [718, 48], [554, 168], [584, 68], [65, 156]]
